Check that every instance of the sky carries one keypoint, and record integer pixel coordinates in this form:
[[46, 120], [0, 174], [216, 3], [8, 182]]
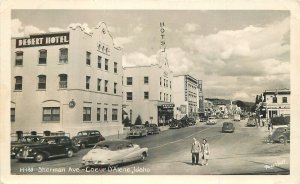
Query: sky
[[236, 53]]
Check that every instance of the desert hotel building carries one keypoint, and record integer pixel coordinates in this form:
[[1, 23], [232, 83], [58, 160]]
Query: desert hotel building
[[66, 81]]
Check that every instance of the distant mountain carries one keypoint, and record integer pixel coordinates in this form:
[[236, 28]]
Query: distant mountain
[[240, 103]]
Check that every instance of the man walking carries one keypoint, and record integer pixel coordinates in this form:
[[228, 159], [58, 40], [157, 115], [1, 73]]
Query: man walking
[[196, 148]]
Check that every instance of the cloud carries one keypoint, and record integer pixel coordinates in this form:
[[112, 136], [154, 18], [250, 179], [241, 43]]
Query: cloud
[[138, 59], [121, 41], [191, 27], [18, 30], [85, 26], [56, 29], [138, 29]]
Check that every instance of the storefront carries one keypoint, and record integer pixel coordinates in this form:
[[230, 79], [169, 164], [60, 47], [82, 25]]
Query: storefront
[[165, 113]]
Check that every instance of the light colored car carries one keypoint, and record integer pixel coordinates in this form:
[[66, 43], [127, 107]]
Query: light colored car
[[211, 121], [137, 131], [114, 152]]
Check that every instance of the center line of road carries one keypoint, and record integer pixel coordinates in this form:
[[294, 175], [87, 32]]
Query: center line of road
[[179, 139]]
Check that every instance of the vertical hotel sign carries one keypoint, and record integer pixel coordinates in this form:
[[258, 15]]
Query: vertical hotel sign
[[43, 40], [185, 89], [162, 34]]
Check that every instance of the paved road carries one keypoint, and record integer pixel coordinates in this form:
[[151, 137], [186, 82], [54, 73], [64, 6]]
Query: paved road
[[241, 152]]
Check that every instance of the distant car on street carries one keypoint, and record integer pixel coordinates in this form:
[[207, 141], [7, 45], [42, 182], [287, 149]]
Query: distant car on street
[[23, 141], [87, 138], [251, 122], [191, 121], [175, 124], [211, 121], [281, 135], [225, 117], [153, 129], [111, 153], [236, 117], [228, 127], [48, 147], [137, 131]]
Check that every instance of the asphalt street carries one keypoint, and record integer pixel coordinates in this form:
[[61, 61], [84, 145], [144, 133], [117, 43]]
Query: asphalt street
[[243, 152]]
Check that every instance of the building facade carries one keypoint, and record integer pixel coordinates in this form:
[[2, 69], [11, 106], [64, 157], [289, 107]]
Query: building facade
[[67, 81], [147, 91], [276, 103], [186, 96]]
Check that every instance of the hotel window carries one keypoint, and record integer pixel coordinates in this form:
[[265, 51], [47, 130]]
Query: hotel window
[[87, 82], [284, 100], [114, 116], [274, 99], [63, 81], [106, 64], [129, 95], [164, 82], [42, 82], [99, 85], [98, 114], [146, 95], [63, 55], [167, 82], [146, 80], [19, 58], [18, 84], [105, 114], [115, 88], [99, 61], [160, 81], [43, 56], [160, 96], [51, 113], [105, 85], [88, 58], [12, 114], [87, 113], [115, 67], [129, 81], [170, 84]]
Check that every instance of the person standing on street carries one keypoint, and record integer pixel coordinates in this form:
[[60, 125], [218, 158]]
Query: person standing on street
[[196, 148], [205, 152]]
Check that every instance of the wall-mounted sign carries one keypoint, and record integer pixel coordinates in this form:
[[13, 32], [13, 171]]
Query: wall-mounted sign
[[43, 40], [162, 34], [168, 106], [185, 89], [72, 104], [183, 109], [103, 48]]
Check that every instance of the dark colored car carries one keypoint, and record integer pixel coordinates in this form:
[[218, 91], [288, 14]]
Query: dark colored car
[[153, 129], [87, 138], [228, 127], [191, 121], [281, 135], [23, 141], [48, 147], [175, 124]]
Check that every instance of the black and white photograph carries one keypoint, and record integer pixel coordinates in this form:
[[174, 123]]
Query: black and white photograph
[[152, 92]]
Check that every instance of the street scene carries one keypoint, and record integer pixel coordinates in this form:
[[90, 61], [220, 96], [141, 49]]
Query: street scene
[[154, 93]]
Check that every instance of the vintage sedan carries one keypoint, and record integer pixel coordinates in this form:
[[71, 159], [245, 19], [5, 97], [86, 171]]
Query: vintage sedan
[[281, 134], [137, 131], [23, 141], [48, 147], [87, 137], [153, 129], [228, 127], [251, 122], [211, 121], [114, 152]]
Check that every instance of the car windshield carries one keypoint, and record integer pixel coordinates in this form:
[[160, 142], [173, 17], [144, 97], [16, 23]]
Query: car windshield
[[113, 146], [82, 133], [136, 127]]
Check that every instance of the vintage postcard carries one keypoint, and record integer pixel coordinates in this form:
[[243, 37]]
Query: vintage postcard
[[179, 89]]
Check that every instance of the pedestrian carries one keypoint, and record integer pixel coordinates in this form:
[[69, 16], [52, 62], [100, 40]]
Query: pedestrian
[[205, 152], [196, 148]]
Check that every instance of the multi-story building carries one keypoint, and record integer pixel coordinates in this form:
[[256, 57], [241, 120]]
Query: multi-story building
[[186, 96], [147, 91], [67, 81], [275, 103]]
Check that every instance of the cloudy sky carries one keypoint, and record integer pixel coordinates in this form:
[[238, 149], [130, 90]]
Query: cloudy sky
[[237, 54]]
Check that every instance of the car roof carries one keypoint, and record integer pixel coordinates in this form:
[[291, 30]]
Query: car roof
[[227, 123], [89, 131], [51, 137], [32, 136]]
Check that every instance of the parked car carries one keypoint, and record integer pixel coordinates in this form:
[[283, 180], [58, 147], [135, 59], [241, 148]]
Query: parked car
[[281, 135], [48, 147], [211, 121], [251, 122], [153, 129], [228, 127], [281, 121], [110, 153], [175, 124], [87, 138], [137, 131], [236, 117], [191, 121], [23, 141]]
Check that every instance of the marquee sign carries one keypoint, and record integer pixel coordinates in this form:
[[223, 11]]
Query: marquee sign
[[43, 40], [168, 106]]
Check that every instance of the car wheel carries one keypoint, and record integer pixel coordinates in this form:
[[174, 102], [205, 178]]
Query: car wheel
[[143, 156], [82, 145], [70, 153], [39, 157], [281, 140]]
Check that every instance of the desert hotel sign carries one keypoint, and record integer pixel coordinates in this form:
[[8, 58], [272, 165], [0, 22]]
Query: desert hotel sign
[[43, 40]]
